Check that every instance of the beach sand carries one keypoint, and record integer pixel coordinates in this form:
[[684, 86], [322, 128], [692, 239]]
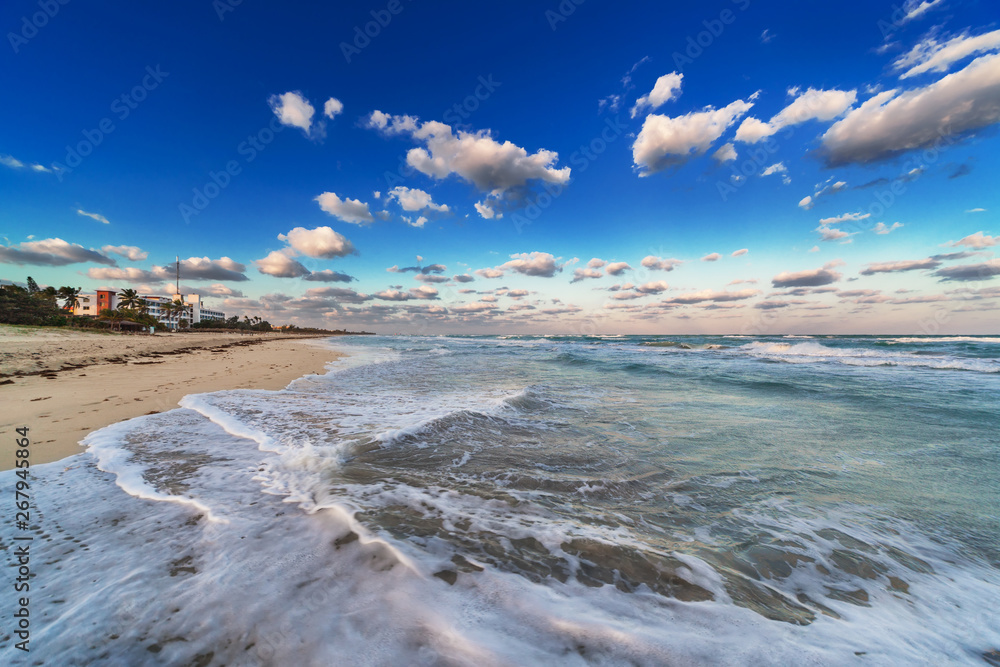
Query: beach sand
[[63, 384]]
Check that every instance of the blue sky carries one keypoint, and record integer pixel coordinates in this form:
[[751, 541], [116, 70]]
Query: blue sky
[[731, 167]]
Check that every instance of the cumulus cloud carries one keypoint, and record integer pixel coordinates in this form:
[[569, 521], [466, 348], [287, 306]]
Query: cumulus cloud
[[583, 274], [739, 253], [978, 241], [900, 266], [712, 257], [664, 141], [463, 279], [279, 264], [333, 107], [667, 87], [472, 156], [813, 104], [533, 264], [203, 268], [969, 272], [321, 242], [489, 273], [486, 210], [474, 307], [414, 199], [129, 252], [655, 263], [814, 278], [130, 274], [726, 153], [353, 211], [328, 276], [829, 234], [822, 189], [930, 55], [51, 252], [882, 228], [617, 268], [892, 123], [93, 216], [341, 294], [430, 268], [714, 296], [294, 110]]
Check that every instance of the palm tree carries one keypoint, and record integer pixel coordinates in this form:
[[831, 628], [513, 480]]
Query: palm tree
[[71, 297], [174, 309], [129, 299]]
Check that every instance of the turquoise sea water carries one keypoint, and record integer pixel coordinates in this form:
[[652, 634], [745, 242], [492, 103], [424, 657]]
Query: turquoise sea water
[[545, 500]]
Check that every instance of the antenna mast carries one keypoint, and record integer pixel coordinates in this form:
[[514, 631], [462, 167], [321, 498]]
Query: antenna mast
[[177, 263]]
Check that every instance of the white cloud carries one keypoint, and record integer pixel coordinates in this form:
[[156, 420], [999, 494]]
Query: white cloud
[[667, 87], [916, 8], [814, 278], [806, 202], [414, 199], [583, 274], [739, 253], [203, 268], [713, 257], [486, 211], [94, 216], [597, 263], [655, 263], [475, 157], [14, 163], [489, 273], [333, 107], [828, 234], [978, 241], [654, 287], [321, 242], [726, 153], [766, 36], [976, 210], [349, 210], [815, 248], [130, 274], [930, 55], [664, 141], [280, 264], [294, 110], [130, 252], [892, 123], [882, 228], [533, 264], [776, 168], [813, 104], [843, 217], [51, 252], [905, 265], [714, 296], [474, 307], [617, 268]]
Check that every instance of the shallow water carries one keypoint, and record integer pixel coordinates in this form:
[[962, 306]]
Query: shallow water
[[524, 500]]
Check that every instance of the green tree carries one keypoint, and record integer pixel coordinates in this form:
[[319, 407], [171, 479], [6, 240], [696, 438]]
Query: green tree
[[128, 299], [70, 297]]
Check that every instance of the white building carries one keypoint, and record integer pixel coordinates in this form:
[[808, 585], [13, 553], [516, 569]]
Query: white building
[[92, 304]]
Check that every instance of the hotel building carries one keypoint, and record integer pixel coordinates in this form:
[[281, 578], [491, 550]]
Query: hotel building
[[92, 304]]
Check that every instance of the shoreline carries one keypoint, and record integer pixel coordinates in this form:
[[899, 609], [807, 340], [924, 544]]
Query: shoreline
[[69, 384]]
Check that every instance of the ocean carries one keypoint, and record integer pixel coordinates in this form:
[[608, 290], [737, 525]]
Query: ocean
[[529, 500]]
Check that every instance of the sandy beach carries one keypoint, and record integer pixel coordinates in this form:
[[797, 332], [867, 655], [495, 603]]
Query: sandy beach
[[63, 384]]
